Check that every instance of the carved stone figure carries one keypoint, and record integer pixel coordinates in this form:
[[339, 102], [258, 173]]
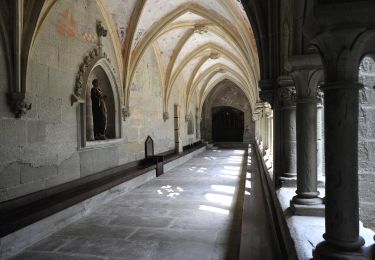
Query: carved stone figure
[[99, 111]]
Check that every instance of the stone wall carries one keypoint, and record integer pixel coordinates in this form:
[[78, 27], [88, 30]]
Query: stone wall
[[227, 93], [366, 142], [43, 148]]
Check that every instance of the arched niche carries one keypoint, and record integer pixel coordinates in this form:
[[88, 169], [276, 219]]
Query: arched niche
[[97, 66]]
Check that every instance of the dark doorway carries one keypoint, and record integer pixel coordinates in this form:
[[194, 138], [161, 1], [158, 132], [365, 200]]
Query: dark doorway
[[227, 124]]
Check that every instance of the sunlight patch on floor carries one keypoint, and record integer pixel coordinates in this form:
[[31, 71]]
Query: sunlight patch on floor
[[219, 199], [214, 209], [224, 189]]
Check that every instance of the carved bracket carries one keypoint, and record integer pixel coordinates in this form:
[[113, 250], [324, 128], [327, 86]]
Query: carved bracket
[[165, 116], [125, 112], [17, 104]]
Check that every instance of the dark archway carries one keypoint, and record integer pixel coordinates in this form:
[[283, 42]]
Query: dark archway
[[227, 124]]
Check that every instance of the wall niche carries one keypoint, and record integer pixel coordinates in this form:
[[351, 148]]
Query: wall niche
[[105, 86]]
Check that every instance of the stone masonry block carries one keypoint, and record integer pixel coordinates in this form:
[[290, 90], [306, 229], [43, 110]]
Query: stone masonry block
[[36, 131], [13, 132], [367, 214], [31, 174], [8, 154], [96, 160], [49, 109], [70, 167], [3, 195], [10, 176], [39, 77]]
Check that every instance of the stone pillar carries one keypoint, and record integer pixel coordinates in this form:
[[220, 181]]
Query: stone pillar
[[306, 72], [288, 152], [341, 132], [342, 44]]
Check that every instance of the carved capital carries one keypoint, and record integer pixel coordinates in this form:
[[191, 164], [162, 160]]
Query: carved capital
[[287, 96], [17, 104], [320, 96], [307, 74]]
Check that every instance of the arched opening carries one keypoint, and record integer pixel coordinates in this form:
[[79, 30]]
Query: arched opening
[[226, 94], [227, 124], [109, 105]]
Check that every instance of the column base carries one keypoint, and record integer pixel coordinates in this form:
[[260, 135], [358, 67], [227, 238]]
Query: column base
[[325, 251], [317, 210], [307, 200]]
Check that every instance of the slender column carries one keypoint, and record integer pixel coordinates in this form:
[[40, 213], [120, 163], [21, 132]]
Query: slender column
[[288, 152], [306, 73]]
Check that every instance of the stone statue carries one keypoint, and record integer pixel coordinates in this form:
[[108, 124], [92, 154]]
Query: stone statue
[[99, 111]]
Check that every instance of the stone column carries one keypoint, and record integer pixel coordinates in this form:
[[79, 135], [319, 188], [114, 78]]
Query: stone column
[[288, 152], [306, 72], [341, 133], [342, 44]]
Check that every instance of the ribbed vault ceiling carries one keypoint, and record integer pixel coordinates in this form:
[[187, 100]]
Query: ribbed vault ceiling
[[205, 42]]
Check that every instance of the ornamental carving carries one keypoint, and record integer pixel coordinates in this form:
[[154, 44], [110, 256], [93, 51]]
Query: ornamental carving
[[320, 96], [288, 96], [165, 116], [89, 62], [214, 56], [17, 103], [94, 56], [201, 28], [125, 112]]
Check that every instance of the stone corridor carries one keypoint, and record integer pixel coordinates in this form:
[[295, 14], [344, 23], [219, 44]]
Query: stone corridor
[[190, 212]]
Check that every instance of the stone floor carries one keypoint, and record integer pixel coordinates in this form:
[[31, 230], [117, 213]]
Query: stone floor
[[190, 212]]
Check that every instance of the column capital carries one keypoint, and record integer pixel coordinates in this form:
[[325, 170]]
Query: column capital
[[307, 74]]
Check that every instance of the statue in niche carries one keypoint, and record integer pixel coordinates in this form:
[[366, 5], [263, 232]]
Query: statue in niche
[[99, 111]]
